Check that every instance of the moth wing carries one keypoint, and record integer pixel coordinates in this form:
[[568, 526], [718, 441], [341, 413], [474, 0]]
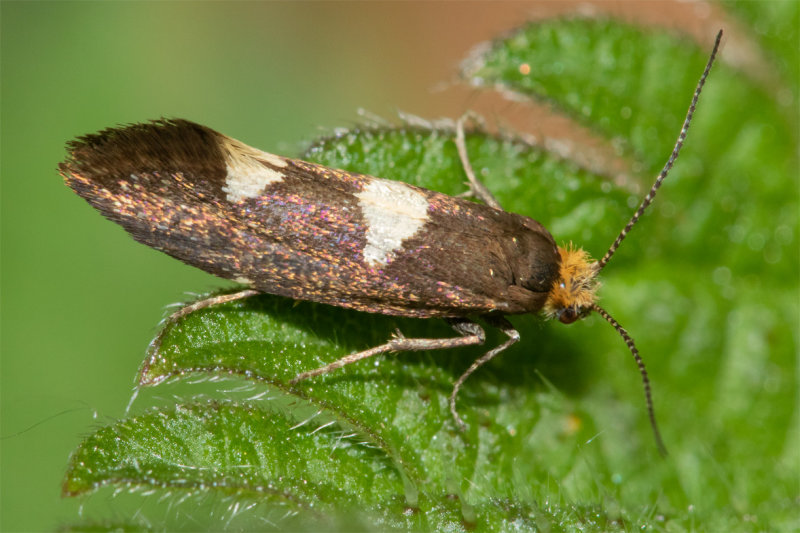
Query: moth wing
[[293, 228]]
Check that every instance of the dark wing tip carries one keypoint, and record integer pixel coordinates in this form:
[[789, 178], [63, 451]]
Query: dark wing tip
[[165, 145]]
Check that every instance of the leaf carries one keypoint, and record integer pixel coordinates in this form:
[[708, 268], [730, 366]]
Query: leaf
[[239, 449], [700, 281], [400, 405], [557, 434]]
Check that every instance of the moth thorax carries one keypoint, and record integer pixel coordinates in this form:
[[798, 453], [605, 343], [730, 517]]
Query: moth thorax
[[573, 293]]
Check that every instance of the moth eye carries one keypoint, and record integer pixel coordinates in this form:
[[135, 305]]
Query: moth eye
[[569, 315], [562, 285]]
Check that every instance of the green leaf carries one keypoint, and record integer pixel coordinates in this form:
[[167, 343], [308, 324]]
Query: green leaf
[[397, 403], [239, 449], [721, 241], [557, 437]]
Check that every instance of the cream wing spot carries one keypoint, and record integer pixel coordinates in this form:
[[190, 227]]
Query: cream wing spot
[[247, 173], [393, 212]]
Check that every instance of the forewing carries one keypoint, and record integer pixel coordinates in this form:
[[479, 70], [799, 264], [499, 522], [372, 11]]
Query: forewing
[[301, 230]]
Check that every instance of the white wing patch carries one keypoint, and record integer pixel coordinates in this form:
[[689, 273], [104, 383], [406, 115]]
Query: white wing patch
[[248, 176], [393, 212]]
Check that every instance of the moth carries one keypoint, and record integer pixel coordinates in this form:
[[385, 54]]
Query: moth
[[297, 229]]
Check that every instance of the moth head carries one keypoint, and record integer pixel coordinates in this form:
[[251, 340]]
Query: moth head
[[573, 294]]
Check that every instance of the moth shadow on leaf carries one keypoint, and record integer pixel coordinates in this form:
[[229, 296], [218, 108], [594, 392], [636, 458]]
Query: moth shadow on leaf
[[544, 357]]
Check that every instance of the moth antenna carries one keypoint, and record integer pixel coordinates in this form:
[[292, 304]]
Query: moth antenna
[[671, 161], [642, 370]]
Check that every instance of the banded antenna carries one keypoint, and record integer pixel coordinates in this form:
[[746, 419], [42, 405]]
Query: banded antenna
[[634, 219], [648, 394], [671, 161]]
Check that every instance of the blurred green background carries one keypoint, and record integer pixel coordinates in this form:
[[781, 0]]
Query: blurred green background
[[81, 300]]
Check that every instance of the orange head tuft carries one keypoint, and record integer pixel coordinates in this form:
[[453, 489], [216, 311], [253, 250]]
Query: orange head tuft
[[573, 293]]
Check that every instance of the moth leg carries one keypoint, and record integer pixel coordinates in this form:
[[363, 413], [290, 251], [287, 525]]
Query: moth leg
[[513, 336], [477, 188], [471, 333], [196, 306]]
